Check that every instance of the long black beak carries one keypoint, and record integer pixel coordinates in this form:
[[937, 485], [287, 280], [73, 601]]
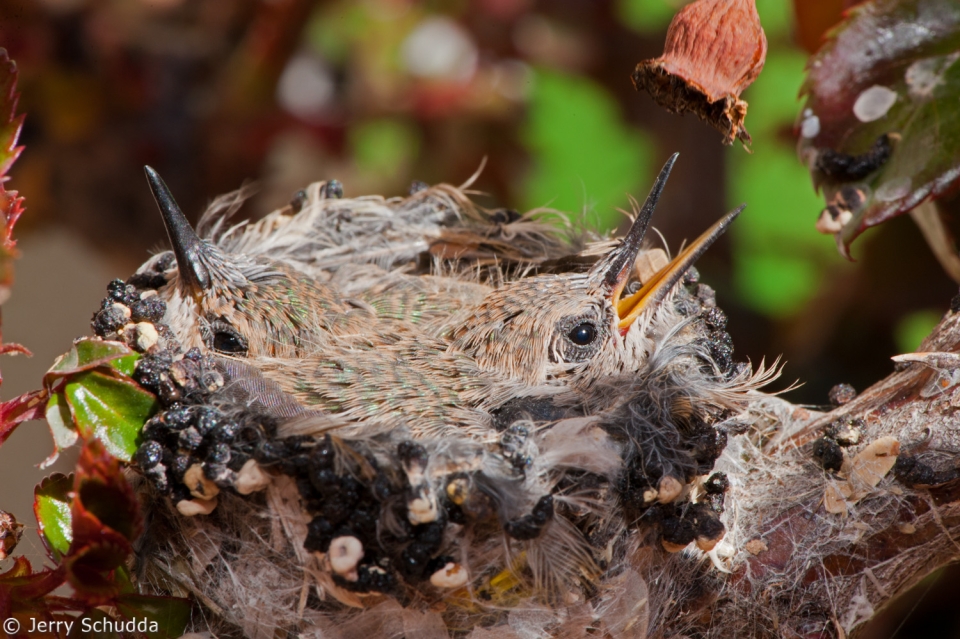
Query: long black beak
[[624, 255], [187, 246], [654, 290]]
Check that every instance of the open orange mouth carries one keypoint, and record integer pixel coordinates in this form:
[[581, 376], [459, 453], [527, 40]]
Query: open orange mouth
[[653, 291]]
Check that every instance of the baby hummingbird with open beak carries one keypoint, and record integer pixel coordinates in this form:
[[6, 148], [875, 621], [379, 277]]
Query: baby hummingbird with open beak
[[573, 329]]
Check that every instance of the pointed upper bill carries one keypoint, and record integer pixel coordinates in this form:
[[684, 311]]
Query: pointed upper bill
[[187, 246], [653, 291], [616, 268]]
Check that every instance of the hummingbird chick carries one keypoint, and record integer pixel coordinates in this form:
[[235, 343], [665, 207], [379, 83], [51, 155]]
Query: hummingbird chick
[[442, 429]]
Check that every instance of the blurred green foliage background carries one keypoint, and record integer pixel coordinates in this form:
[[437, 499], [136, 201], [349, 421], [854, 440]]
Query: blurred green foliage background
[[378, 93]]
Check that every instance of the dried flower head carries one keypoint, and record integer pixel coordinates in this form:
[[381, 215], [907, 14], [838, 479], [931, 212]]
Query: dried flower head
[[714, 50], [10, 532]]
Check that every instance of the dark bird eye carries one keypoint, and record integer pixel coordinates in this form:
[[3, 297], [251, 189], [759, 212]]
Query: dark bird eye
[[583, 333], [228, 343], [578, 338], [227, 340]]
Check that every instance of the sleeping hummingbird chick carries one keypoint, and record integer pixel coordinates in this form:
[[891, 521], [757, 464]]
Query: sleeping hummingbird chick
[[510, 438]]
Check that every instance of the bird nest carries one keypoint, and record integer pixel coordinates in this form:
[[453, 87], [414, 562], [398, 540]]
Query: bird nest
[[418, 417]]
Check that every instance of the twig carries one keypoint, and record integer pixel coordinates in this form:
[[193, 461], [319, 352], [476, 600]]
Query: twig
[[938, 237]]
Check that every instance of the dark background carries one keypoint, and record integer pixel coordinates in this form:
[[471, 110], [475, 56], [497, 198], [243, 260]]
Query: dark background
[[377, 93]]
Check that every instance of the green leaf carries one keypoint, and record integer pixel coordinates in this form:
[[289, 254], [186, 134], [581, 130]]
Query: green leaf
[[110, 409], [89, 353], [51, 505], [94, 351], [61, 422], [125, 365], [171, 614], [114, 423], [890, 68], [122, 576], [585, 156]]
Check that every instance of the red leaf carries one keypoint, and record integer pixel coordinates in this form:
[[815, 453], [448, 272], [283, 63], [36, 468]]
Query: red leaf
[[815, 19], [11, 207], [879, 126], [21, 409], [21, 584], [10, 122], [105, 505], [11, 204], [14, 348], [106, 520], [91, 570], [20, 568]]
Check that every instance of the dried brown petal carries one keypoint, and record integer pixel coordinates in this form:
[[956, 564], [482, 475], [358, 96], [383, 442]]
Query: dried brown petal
[[863, 473], [872, 464], [10, 532], [835, 498], [715, 49]]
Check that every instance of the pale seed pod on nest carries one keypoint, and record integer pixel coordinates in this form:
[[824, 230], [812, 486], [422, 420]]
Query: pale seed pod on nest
[[193, 507], [251, 478], [452, 575]]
